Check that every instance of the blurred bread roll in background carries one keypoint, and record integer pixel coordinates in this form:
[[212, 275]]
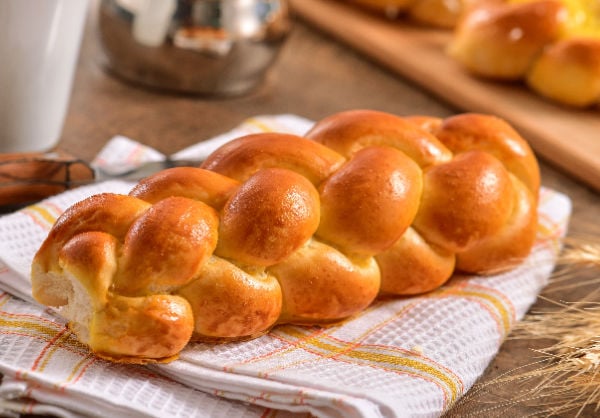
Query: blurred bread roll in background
[[431, 13], [552, 46]]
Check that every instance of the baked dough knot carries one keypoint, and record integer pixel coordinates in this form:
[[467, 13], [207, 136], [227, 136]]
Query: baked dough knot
[[276, 228]]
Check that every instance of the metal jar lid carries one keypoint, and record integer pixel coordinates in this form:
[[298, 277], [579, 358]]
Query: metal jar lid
[[212, 47]]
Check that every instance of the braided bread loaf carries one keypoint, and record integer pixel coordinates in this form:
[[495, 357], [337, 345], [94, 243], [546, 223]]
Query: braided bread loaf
[[551, 45], [276, 228]]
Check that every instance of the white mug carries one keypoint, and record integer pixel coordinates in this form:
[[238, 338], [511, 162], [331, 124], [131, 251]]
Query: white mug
[[39, 48]]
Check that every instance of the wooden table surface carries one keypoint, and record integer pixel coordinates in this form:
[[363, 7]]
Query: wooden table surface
[[313, 77]]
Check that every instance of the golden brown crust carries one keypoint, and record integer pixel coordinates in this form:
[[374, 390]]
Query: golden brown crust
[[320, 284], [511, 244], [464, 200], [197, 184], [491, 134], [178, 232], [269, 217], [427, 123], [414, 266], [241, 158], [347, 132], [150, 327], [370, 201], [230, 303], [303, 234]]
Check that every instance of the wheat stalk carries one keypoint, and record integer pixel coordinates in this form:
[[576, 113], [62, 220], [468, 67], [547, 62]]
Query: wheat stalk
[[566, 375]]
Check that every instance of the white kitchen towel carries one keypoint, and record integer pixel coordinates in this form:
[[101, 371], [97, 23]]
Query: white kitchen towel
[[405, 357]]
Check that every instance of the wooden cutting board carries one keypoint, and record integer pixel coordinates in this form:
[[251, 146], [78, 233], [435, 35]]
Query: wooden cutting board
[[565, 137]]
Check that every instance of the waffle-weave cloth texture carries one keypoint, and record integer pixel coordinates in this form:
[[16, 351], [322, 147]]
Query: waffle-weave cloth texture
[[401, 357]]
